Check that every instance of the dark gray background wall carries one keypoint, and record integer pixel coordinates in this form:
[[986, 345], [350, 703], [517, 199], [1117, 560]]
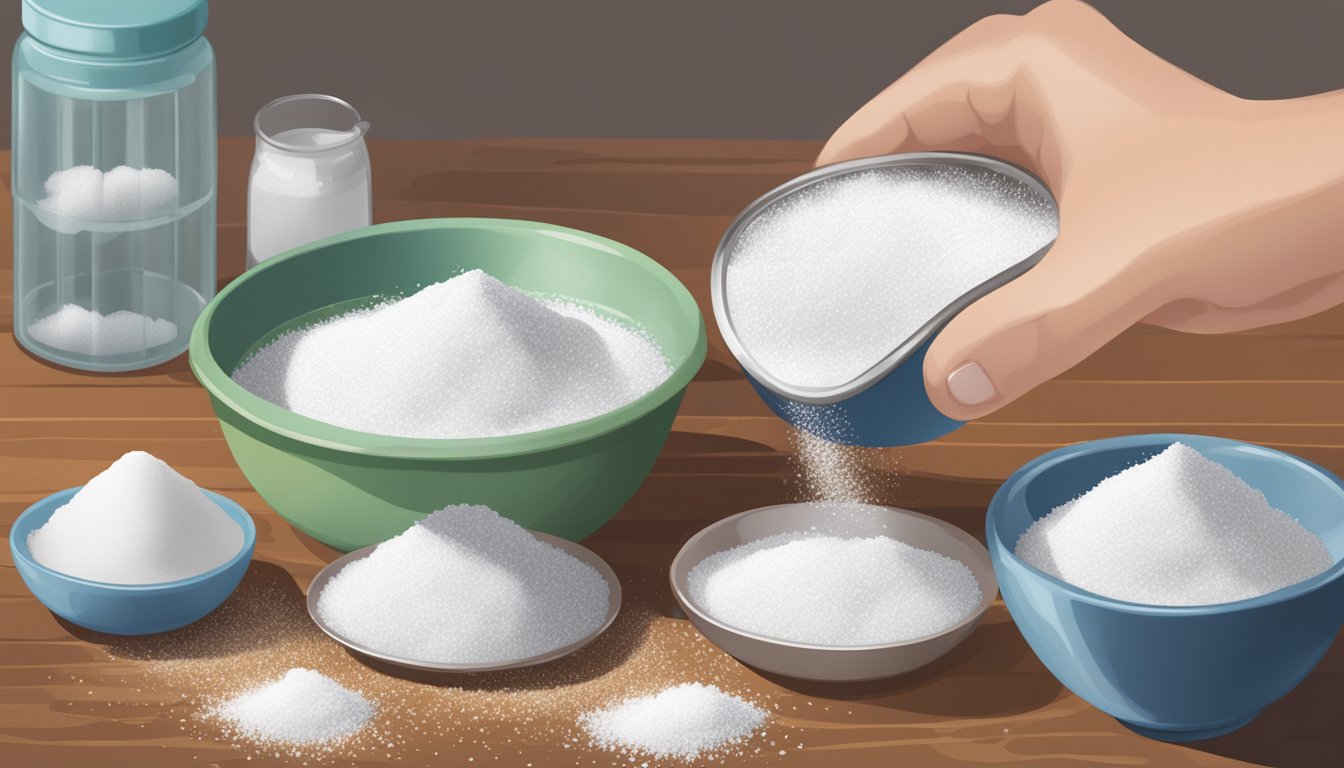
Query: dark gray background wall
[[683, 68]]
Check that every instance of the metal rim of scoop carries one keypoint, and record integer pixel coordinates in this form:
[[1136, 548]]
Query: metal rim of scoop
[[577, 551], [834, 394]]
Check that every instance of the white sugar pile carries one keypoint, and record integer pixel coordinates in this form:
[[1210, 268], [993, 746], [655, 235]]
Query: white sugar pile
[[827, 590], [465, 586], [680, 722], [121, 194], [303, 707], [1177, 529], [137, 522], [826, 283], [73, 328], [468, 357]]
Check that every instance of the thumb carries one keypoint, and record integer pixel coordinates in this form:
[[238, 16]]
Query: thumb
[[1032, 329]]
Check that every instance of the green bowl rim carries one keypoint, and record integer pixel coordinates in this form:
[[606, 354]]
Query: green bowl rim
[[303, 429]]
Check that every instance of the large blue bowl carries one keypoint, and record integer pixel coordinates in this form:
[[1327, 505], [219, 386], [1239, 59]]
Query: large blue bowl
[[1172, 673], [127, 609]]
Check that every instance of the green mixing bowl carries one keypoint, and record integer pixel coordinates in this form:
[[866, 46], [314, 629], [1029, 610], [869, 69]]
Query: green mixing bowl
[[350, 489]]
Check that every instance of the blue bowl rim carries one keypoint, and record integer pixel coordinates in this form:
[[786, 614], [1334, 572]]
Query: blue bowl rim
[[1024, 475], [47, 506], [313, 432]]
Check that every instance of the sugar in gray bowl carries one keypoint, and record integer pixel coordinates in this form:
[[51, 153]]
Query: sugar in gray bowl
[[829, 662]]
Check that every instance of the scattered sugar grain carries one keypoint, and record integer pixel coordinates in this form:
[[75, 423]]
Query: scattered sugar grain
[[303, 707], [825, 283], [137, 522], [465, 585], [681, 722], [829, 471], [1176, 529], [468, 357], [73, 328], [827, 590]]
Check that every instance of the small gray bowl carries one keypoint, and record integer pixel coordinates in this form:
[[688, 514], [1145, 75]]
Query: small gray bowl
[[826, 662], [576, 551]]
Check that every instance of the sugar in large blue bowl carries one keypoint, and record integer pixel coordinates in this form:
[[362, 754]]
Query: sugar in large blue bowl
[[1172, 673], [127, 609]]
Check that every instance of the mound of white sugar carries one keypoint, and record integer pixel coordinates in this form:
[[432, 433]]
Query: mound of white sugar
[[121, 194], [137, 522], [303, 707], [825, 283], [468, 357], [679, 722], [1177, 529], [465, 586], [827, 590], [73, 328]]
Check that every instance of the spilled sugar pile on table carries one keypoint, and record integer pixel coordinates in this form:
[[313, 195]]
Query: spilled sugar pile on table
[[523, 715]]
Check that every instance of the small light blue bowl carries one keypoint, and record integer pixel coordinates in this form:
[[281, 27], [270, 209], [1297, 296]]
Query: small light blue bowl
[[888, 404], [1168, 672], [127, 609]]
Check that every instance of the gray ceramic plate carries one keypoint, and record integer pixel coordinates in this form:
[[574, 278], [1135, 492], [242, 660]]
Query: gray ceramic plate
[[574, 550], [833, 663]]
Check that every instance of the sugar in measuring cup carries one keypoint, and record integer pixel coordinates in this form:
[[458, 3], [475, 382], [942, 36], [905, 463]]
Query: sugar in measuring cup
[[829, 289], [310, 175]]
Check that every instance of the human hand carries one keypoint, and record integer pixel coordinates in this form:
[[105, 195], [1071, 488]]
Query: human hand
[[1180, 205]]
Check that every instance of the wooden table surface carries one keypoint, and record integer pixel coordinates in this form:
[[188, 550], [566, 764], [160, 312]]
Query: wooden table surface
[[70, 697]]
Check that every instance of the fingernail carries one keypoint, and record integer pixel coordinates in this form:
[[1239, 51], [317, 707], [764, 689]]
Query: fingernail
[[969, 385]]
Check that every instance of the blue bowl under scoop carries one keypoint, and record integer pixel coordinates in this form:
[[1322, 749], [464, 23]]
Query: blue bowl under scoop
[[1174, 673], [127, 609], [871, 418]]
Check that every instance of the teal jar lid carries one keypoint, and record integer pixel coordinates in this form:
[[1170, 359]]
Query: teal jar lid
[[122, 28]]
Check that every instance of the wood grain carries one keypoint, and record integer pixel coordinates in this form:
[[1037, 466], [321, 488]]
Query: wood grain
[[69, 697]]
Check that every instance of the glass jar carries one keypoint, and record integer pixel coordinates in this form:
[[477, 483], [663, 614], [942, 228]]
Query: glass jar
[[113, 180], [310, 175]]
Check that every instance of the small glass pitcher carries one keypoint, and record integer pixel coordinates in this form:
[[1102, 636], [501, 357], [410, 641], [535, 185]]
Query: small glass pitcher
[[310, 175]]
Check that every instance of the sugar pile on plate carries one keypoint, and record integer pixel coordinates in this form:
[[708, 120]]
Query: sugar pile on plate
[[137, 522], [468, 357], [679, 722], [824, 284], [303, 707], [1176, 529], [827, 590], [465, 586], [73, 328], [121, 194]]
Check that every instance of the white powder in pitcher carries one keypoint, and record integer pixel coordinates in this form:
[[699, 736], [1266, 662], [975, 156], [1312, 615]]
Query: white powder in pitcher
[[1177, 529], [73, 328], [303, 707], [468, 357], [679, 722], [137, 522], [827, 590], [465, 586], [824, 284], [121, 194]]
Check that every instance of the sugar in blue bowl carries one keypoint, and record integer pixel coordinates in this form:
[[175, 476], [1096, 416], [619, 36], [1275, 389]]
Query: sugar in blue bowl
[[127, 609], [1174, 673]]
